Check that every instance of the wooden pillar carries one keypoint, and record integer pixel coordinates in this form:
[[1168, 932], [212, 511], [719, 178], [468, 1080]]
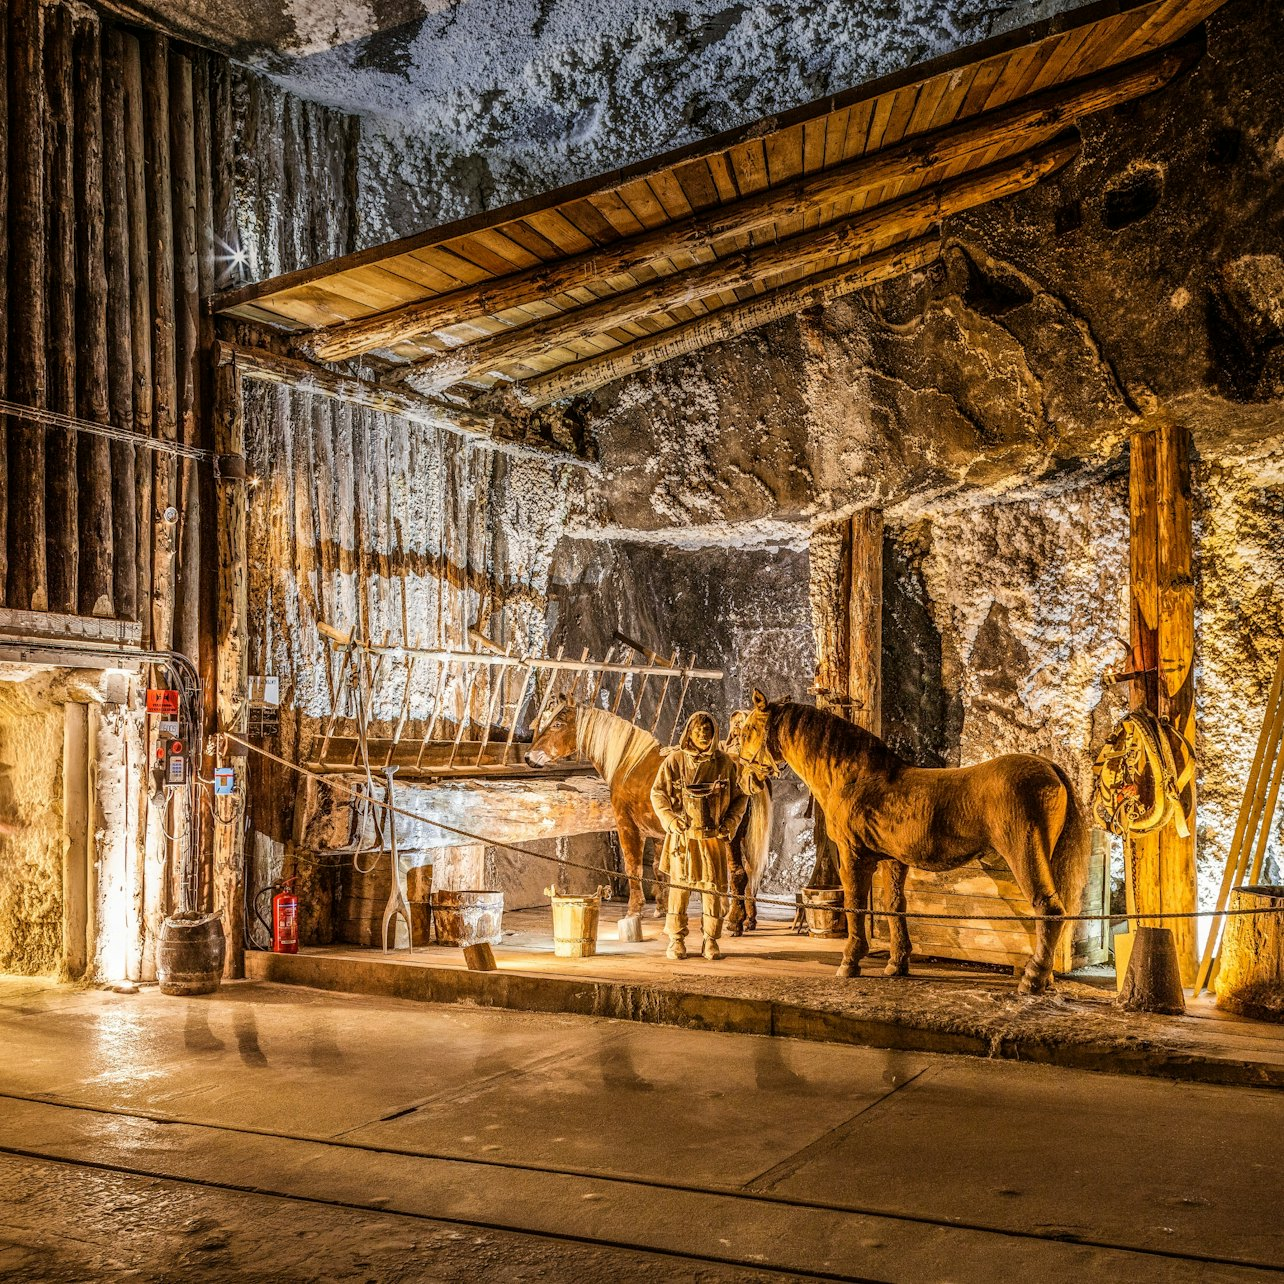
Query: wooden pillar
[[160, 241], [76, 837], [203, 475], [865, 621], [182, 126], [1161, 866], [846, 594], [4, 295], [62, 552], [95, 590], [232, 658], [120, 371], [27, 583], [140, 315]]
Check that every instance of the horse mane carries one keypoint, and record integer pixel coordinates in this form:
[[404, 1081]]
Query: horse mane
[[614, 745], [833, 736]]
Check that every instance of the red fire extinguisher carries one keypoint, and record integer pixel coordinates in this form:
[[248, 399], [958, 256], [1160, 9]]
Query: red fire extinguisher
[[285, 920]]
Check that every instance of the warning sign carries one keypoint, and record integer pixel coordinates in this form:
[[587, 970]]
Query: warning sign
[[161, 701]]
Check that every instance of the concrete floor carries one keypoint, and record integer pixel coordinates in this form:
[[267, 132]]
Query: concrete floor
[[292, 1135], [774, 982]]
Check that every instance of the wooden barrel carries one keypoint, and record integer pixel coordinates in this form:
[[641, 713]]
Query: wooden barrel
[[823, 908], [575, 926], [189, 955], [1250, 967], [468, 917]]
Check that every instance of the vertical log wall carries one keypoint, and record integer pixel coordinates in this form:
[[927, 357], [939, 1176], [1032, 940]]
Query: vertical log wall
[[101, 242], [137, 177]]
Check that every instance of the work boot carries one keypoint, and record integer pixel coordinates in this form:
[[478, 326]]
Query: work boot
[[711, 950], [677, 948]]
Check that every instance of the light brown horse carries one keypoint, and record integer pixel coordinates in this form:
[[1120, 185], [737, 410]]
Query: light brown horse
[[878, 807], [627, 758]]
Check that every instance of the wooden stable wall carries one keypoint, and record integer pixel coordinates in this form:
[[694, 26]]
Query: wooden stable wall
[[127, 167], [110, 185]]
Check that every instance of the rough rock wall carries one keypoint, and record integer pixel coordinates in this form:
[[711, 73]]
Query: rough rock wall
[[358, 519], [460, 118], [1239, 621], [986, 403], [31, 829], [742, 610], [1031, 602]]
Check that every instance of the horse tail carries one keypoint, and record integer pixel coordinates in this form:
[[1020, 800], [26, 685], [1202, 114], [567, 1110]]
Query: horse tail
[[757, 836], [1073, 849]]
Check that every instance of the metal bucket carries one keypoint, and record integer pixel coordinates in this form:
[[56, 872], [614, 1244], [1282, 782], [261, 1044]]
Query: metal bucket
[[190, 953], [574, 924], [823, 909], [468, 917]]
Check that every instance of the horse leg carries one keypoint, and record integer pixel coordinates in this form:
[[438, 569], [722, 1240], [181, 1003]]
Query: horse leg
[[857, 875], [736, 914], [899, 952], [659, 885], [631, 846], [1032, 870]]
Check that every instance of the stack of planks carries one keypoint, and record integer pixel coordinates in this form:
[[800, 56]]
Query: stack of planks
[[986, 889], [1255, 821], [364, 895]]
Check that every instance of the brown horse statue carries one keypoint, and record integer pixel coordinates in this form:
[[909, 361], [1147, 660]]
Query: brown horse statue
[[878, 807], [628, 758]]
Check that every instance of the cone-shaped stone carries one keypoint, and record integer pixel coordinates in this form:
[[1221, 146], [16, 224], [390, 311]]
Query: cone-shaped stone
[[1153, 980]]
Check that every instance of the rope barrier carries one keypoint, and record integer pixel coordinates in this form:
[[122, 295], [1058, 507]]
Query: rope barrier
[[469, 837]]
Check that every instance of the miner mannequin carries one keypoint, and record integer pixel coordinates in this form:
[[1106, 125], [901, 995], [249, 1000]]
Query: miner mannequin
[[697, 797]]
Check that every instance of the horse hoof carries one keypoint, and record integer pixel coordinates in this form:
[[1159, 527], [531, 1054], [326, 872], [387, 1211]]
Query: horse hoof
[[848, 970], [735, 931], [1034, 984], [896, 969], [751, 925]]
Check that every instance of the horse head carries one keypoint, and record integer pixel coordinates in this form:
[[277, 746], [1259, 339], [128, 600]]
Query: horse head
[[752, 738], [558, 738]]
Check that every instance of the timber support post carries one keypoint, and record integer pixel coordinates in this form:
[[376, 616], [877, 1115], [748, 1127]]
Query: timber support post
[[1161, 865], [232, 660], [846, 594]]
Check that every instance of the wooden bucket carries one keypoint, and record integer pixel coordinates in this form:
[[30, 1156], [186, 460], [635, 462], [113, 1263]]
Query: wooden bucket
[[574, 925], [468, 917], [823, 909], [190, 953], [1250, 967]]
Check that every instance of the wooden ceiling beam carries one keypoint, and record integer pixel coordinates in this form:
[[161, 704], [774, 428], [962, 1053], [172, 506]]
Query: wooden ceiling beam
[[1033, 116], [509, 435], [717, 327], [871, 230]]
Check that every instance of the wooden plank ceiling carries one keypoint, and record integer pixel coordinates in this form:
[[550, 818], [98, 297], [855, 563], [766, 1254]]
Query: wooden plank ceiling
[[569, 291]]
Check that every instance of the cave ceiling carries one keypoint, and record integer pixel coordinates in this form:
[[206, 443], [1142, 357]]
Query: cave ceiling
[[558, 89]]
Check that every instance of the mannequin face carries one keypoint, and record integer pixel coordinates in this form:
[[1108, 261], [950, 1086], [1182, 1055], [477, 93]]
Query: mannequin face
[[702, 733]]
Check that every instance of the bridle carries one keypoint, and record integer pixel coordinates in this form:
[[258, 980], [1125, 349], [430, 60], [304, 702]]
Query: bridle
[[763, 760]]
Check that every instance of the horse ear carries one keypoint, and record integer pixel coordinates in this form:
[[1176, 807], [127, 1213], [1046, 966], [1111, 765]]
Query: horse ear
[[570, 700], [759, 700]]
